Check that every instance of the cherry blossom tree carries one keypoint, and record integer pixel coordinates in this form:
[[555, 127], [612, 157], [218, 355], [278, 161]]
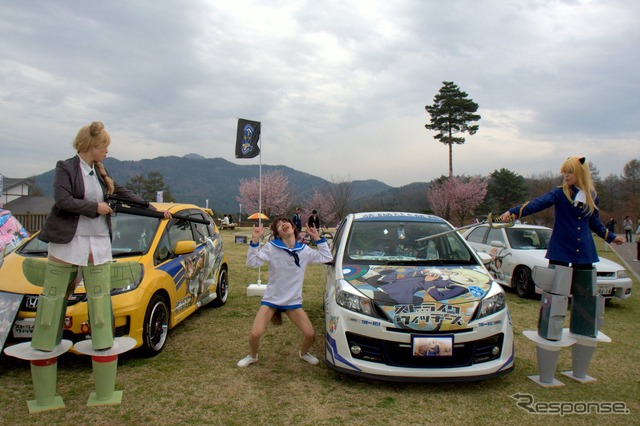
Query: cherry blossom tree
[[456, 198], [277, 196]]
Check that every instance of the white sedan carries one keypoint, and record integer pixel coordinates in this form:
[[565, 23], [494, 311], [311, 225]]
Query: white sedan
[[516, 250]]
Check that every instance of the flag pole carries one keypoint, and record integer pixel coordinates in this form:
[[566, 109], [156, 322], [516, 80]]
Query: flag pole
[[260, 195], [258, 288]]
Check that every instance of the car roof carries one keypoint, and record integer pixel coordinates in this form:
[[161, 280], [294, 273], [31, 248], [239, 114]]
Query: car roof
[[520, 226], [173, 207], [396, 216]]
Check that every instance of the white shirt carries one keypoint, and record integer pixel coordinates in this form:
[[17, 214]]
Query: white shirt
[[92, 234], [285, 277]]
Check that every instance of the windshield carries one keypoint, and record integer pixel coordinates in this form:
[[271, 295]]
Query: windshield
[[528, 238], [131, 235], [379, 242]]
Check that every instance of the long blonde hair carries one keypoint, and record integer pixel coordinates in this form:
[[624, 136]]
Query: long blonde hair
[[579, 166], [95, 136]]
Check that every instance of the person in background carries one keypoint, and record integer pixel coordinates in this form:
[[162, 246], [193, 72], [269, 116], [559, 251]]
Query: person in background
[[297, 219], [637, 259], [627, 224], [314, 220], [287, 260]]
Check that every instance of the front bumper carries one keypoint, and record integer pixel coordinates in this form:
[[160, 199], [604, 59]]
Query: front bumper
[[482, 351]]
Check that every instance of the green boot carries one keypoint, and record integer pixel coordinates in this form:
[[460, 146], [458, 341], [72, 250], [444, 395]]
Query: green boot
[[97, 283], [52, 303]]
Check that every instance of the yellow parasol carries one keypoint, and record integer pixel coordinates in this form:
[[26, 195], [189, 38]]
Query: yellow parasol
[[258, 216]]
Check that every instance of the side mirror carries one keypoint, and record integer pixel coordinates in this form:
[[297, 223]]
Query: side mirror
[[498, 244], [484, 258], [184, 247]]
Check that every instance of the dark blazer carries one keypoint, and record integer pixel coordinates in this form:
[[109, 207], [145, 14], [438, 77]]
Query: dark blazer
[[68, 193]]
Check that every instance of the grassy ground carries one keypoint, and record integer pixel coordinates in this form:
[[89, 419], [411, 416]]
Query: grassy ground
[[195, 379]]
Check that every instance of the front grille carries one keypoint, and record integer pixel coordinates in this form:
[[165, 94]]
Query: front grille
[[606, 274], [30, 301], [396, 354]]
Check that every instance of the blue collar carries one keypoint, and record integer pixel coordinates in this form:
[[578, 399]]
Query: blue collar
[[292, 251]]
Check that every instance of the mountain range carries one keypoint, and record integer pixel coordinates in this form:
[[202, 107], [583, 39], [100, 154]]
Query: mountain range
[[199, 180]]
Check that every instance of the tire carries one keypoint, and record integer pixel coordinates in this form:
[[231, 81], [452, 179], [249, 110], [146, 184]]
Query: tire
[[156, 326], [522, 282], [222, 289]]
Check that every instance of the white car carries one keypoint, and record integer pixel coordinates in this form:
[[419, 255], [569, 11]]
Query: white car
[[516, 250], [407, 299]]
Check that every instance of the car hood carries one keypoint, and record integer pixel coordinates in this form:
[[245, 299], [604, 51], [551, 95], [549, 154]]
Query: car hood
[[423, 298], [12, 279]]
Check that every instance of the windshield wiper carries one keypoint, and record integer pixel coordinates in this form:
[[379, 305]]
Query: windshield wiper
[[127, 253]]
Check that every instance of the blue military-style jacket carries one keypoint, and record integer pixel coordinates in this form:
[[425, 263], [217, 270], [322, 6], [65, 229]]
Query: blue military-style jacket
[[571, 239]]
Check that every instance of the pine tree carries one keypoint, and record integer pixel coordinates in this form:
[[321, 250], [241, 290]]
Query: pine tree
[[451, 113]]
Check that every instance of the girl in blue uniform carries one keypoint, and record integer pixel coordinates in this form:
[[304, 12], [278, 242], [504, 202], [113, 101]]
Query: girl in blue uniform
[[576, 217]]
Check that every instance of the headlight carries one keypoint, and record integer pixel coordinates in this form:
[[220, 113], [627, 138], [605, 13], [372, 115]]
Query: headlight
[[622, 273], [129, 287], [352, 301], [490, 305]]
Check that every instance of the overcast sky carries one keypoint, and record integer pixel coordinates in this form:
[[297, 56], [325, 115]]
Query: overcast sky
[[339, 86]]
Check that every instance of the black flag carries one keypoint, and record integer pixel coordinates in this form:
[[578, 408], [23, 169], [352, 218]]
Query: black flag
[[247, 139]]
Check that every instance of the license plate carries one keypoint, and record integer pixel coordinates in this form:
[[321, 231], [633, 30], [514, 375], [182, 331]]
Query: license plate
[[605, 289], [24, 327], [432, 345]]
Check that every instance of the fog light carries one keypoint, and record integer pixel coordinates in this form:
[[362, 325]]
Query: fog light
[[356, 350], [495, 350]]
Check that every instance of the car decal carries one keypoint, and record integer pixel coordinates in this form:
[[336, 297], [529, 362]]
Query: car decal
[[198, 271], [332, 349], [422, 298], [509, 362]]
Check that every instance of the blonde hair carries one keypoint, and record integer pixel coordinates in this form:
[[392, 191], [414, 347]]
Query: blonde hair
[[579, 166], [94, 136]]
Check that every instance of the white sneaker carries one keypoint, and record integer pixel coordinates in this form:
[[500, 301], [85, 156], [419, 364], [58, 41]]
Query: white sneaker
[[247, 361], [309, 358]]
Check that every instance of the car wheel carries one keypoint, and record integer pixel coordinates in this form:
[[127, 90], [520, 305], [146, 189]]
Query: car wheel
[[523, 283], [222, 289], [156, 326]]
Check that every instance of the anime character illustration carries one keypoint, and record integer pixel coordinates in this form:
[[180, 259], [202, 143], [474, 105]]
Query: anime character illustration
[[401, 287], [495, 267]]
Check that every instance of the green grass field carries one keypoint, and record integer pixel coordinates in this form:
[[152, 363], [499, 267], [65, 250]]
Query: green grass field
[[195, 380]]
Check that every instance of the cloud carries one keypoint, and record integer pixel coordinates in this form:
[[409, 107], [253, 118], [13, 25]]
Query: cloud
[[340, 88]]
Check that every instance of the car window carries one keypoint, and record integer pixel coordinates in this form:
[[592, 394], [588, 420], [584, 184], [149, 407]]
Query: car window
[[132, 234], [202, 230], [379, 242], [529, 239], [495, 234], [477, 235], [337, 238], [180, 230]]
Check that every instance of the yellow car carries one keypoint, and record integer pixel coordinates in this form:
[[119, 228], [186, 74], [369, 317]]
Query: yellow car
[[183, 269]]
